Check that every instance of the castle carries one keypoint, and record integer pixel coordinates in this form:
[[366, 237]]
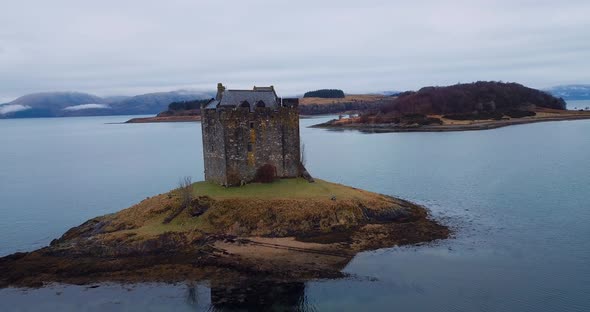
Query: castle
[[244, 130]]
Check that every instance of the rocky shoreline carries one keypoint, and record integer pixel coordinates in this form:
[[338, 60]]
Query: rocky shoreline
[[223, 244]]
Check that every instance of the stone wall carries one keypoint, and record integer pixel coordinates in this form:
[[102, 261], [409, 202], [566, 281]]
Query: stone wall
[[236, 142], [213, 147]]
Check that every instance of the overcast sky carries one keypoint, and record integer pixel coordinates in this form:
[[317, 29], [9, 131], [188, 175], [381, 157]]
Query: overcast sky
[[128, 47]]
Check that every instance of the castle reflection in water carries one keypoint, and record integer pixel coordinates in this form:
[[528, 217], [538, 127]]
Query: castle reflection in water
[[248, 295]]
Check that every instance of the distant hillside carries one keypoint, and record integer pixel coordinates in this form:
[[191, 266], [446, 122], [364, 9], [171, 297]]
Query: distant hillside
[[64, 104], [154, 103], [325, 93], [116, 98], [350, 103], [52, 104], [471, 98], [184, 108], [571, 92]]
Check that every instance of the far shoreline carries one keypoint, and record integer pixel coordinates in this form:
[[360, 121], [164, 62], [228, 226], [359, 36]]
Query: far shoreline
[[164, 119], [157, 119], [475, 125]]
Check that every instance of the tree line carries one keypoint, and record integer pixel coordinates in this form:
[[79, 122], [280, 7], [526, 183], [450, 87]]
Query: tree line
[[477, 97], [325, 93], [187, 105]]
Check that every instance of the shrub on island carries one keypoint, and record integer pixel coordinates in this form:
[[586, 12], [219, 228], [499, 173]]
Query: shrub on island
[[266, 174], [325, 93]]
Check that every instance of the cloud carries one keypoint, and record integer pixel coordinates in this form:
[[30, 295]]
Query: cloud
[[117, 47], [87, 106], [12, 108]]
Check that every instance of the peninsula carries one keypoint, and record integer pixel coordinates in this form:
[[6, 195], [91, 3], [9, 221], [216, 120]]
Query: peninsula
[[475, 106]]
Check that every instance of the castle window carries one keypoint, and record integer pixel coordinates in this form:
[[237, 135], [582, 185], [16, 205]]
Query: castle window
[[260, 104], [249, 147], [251, 125], [245, 104]]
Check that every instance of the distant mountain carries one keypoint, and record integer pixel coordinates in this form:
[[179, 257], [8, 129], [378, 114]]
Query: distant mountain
[[52, 104], [571, 92], [64, 104], [115, 98], [154, 103]]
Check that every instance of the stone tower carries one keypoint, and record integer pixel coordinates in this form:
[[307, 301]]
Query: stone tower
[[244, 130]]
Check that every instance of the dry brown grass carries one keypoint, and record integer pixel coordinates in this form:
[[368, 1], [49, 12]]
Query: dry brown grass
[[346, 99], [277, 209]]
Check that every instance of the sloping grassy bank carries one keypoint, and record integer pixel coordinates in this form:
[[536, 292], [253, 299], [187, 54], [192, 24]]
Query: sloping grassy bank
[[286, 207]]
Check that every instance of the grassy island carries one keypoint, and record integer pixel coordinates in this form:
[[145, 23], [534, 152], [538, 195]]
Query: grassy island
[[286, 230]]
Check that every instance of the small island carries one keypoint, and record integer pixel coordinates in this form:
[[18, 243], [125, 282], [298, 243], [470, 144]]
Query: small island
[[259, 214], [288, 230], [475, 106]]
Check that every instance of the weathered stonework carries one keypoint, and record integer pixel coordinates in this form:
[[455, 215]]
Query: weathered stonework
[[240, 138]]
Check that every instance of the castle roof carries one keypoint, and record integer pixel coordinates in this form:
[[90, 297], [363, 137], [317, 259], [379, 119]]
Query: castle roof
[[237, 97], [257, 97]]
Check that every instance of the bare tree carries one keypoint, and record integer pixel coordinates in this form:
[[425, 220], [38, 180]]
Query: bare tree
[[186, 191]]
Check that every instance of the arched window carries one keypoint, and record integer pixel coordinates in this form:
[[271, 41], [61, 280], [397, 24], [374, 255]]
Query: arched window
[[260, 104], [245, 104]]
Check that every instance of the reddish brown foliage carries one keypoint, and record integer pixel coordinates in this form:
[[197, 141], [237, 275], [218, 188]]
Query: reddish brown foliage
[[482, 96], [266, 174]]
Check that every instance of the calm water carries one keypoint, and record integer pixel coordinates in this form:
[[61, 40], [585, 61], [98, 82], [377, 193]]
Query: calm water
[[517, 196], [581, 104]]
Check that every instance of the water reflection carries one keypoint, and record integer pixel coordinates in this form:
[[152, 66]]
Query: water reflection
[[249, 295]]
